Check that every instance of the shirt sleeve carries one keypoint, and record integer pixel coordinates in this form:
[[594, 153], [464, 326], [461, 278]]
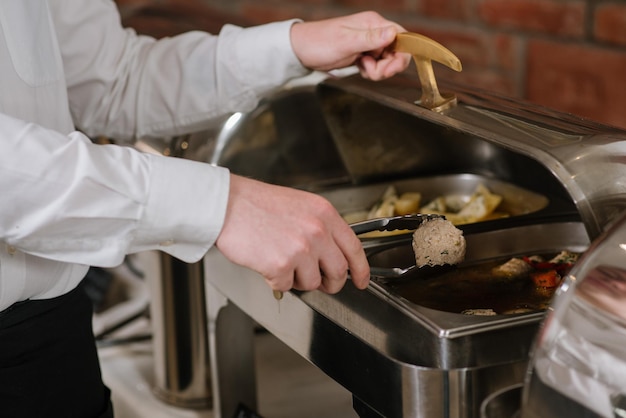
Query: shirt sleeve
[[127, 86], [66, 199]]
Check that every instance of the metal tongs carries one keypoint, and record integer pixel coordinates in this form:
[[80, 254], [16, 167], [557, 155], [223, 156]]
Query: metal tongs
[[393, 223], [408, 222]]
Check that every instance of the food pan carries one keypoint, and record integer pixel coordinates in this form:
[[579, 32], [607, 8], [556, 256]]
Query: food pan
[[516, 201], [429, 296]]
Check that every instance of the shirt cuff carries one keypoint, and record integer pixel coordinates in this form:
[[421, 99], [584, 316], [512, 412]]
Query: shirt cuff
[[185, 210]]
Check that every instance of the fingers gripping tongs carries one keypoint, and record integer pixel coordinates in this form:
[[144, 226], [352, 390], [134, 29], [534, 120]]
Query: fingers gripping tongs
[[405, 222]]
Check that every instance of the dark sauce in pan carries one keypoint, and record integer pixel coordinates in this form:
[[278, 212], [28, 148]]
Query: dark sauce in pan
[[471, 287]]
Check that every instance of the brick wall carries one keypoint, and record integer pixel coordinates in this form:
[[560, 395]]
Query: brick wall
[[566, 54]]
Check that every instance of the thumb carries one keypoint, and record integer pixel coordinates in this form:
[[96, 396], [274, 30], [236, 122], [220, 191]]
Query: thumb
[[377, 38]]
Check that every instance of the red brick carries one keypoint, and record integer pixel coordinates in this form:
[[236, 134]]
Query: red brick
[[167, 20], [381, 6], [481, 57], [507, 52], [490, 40], [132, 3], [471, 47], [544, 16], [451, 9], [476, 49], [578, 79], [258, 13], [270, 11], [129, 7], [610, 23]]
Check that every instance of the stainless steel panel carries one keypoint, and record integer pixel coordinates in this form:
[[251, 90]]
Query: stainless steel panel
[[283, 141], [504, 403], [357, 346], [400, 360], [181, 352]]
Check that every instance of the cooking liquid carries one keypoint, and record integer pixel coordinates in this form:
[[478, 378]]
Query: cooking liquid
[[456, 289]]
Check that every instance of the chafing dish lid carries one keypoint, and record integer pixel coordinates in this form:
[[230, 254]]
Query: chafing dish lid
[[381, 133]]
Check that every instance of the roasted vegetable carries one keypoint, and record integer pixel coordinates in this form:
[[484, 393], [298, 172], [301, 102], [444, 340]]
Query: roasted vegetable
[[546, 278]]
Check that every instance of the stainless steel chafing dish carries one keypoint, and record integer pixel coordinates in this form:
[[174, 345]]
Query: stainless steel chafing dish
[[578, 367], [565, 176]]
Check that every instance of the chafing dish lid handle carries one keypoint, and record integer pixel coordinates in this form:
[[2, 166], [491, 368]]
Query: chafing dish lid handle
[[424, 50]]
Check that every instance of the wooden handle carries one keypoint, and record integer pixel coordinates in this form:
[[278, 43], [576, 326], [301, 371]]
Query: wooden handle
[[425, 50]]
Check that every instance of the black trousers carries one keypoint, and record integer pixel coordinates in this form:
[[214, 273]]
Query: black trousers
[[48, 360]]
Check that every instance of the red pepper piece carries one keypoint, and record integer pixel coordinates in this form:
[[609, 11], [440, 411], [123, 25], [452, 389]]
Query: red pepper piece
[[561, 268], [546, 278]]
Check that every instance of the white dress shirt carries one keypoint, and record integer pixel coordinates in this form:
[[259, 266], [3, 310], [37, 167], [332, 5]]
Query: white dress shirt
[[68, 66]]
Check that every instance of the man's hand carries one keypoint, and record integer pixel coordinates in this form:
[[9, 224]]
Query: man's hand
[[360, 39], [293, 238]]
